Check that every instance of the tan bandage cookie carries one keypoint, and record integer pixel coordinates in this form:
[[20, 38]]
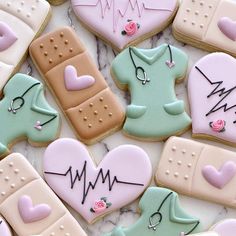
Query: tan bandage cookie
[[80, 89], [209, 24], [31, 212], [198, 170], [20, 23]]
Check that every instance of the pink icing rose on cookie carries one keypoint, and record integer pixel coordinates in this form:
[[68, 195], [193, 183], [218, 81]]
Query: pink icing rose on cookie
[[130, 28], [218, 125], [100, 205]]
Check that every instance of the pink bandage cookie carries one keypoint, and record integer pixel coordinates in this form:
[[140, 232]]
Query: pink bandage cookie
[[198, 170], [29, 205], [96, 191], [209, 24], [212, 96], [20, 23], [127, 22]]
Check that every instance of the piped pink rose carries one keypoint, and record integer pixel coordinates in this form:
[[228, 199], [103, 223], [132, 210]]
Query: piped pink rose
[[100, 205], [131, 28], [218, 125]]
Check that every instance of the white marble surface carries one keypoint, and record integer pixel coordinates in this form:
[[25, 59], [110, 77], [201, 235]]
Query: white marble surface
[[103, 55]]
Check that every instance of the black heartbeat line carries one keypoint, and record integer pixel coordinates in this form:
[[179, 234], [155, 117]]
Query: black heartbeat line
[[222, 93], [78, 177]]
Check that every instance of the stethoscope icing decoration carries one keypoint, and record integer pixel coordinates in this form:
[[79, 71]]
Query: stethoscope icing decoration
[[156, 218], [141, 71], [18, 102]]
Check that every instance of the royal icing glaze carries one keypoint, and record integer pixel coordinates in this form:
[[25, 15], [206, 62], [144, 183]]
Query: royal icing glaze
[[124, 22], [198, 170], [225, 228], [81, 91], [25, 113], [150, 75], [209, 24], [4, 228], [90, 190], [32, 212], [20, 22], [211, 89], [161, 214]]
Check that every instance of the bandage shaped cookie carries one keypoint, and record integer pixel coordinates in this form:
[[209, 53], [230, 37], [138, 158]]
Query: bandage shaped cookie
[[209, 24], [20, 23], [4, 228], [29, 205], [212, 96], [125, 22], [95, 191], [150, 75], [25, 114], [225, 228], [81, 91], [161, 214], [198, 170]]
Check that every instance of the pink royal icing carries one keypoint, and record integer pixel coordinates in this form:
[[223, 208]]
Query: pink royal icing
[[212, 97], [70, 172], [225, 228], [219, 178], [74, 83], [7, 36], [30, 213], [4, 228], [228, 27], [109, 17]]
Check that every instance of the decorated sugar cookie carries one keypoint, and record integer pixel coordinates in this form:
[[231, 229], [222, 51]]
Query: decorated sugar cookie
[[89, 105], [20, 23], [150, 75], [161, 214], [198, 170], [225, 228], [25, 114], [4, 228], [212, 96], [95, 191], [124, 22], [210, 25]]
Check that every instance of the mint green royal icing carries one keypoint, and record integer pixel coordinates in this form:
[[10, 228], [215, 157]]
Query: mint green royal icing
[[154, 104], [174, 220], [35, 108]]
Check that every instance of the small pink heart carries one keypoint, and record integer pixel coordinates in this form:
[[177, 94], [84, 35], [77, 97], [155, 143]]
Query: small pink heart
[[73, 82], [38, 126], [228, 27], [7, 36], [170, 64], [219, 178], [30, 213]]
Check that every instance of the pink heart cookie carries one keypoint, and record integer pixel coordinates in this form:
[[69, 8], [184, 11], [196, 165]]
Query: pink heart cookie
[[95, 191], [75, 83], [225, 228], [124, 22], [30, 213], [4, 228], [219, 178], [212, 96], [8, 37], [228, 27]]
